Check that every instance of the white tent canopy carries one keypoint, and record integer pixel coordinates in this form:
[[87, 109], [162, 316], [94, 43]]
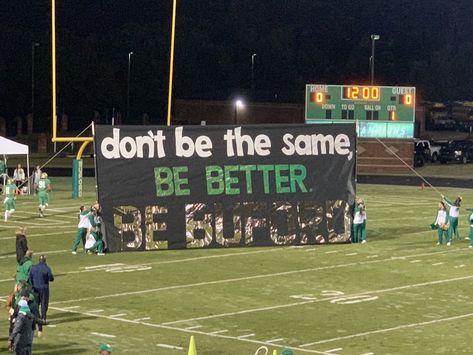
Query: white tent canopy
[[9, 147]]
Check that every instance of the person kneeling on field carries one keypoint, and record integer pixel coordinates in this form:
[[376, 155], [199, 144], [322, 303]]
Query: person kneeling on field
[[95, 230]]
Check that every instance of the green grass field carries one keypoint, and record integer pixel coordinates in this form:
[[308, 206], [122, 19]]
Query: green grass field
[[397, 294]]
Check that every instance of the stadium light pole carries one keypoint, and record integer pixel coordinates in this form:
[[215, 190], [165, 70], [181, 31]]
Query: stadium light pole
[[374, 38], [128, 87], [253, 86], [33, 46], [171, 61], [238, 104]]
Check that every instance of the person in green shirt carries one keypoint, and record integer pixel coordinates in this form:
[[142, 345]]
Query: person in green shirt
[[453, 214], [82, 228], [95, 220], [9, 205], [44, 186], [23, 268]]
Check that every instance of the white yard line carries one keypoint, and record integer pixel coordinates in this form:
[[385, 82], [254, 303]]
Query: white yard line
[[247, 278], [167, 346], [399, 327], [330, 298], [274, 340], [220, 331], [141, 319], [37, 253], [246, 336], [103, 335], [117, 315], [193, 331], [42, 234]]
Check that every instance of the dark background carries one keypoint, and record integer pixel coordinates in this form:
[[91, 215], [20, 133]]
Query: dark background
[[424, 43]]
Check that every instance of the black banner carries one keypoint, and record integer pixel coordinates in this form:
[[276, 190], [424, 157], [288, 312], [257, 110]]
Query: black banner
[[225, 186]]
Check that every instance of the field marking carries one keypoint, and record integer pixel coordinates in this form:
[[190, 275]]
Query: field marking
[[167, 346], [117, 315], [274, 340], [246, 336], [351, 254], [71, 307], [354, 299], [37, 253], [436, 264], [103, 266], [371, 256], [220, 331], [330, 298], [333, 350], [40, 235], [254, 277], [96, 311], [194, 327], [385, 330], [192, 332], [415, 261], [104, 335], [141, 319]]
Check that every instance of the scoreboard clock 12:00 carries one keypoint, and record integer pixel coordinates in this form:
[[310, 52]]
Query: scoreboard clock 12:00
[[380, 111]]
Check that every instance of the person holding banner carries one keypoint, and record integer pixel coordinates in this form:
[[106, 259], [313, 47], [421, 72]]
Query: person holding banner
[[441, 223], [44, 186], [82, 229], [95, 230], [359, 222], [10, 191], [453, 214]]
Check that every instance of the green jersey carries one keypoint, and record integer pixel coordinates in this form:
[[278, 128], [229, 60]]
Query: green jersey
[[10, 190], [44, 185], [2, 167]]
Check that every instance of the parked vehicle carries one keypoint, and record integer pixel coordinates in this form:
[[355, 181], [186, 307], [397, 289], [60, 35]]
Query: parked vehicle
[[421, 155], [430, 147], [457, 151]]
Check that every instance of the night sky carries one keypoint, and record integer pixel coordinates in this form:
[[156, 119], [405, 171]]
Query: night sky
[[427, 44]]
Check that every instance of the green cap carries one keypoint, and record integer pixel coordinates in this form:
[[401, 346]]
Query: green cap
[[287, 352], [105, 347]]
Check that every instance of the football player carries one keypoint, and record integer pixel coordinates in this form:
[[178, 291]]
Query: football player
[[44, 186], [10, 191]]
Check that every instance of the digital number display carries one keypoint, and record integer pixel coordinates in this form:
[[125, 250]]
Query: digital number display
[[406, 99], [368, 93]]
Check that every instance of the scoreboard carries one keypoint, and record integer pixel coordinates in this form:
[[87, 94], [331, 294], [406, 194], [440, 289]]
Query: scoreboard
[[380, 111]]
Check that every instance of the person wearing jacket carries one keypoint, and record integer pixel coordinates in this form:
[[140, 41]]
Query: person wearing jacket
[[40, 277], [21, 338], [23, 268], [21, 243]]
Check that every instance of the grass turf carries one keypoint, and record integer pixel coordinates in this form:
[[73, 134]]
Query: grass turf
[[397, 294]]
